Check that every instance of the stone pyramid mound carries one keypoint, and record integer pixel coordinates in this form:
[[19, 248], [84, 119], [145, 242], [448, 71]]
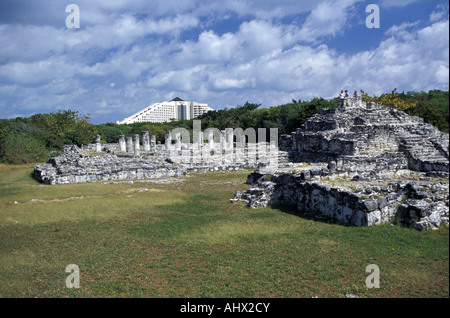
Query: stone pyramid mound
[[356, 133]]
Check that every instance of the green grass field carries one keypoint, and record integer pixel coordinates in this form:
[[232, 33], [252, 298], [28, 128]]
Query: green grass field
[[185, 239]]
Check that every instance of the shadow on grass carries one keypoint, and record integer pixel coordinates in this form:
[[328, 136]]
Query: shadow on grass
[[307, 215], [30, 177]]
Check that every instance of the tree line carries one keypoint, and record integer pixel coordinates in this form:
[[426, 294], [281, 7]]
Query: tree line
[[41, 136]]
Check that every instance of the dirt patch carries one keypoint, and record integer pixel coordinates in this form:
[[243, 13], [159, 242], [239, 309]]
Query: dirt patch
[[137, 190]]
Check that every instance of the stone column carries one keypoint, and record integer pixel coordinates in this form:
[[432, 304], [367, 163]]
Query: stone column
[[122, 144], [229, 137], [153, 143], [196, 149], [137, 146], [223, 140], [168, 141], [146, 141], [197, 145], [177, 141], [244, 142], [129, 145], [229, 145], [273, 149], [98, 145], [239, 151], [211, 140]]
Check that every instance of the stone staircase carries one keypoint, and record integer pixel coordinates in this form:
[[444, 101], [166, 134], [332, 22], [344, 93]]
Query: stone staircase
[[422, 153]]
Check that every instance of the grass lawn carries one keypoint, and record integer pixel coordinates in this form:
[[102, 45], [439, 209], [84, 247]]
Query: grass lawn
[[184, 238]]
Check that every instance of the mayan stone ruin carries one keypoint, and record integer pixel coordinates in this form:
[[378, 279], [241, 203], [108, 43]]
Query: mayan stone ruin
[[360, 165], [141, 157]]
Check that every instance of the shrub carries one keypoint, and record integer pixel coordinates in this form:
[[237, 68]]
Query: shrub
[[111, 134], [20, 148]]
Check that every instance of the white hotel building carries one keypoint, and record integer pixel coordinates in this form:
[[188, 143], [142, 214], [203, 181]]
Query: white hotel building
[[175, 109]]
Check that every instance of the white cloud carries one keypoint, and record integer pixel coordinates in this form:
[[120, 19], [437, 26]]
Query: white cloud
[[209, 48], [414, 61], [229, 83], [261, 37], [439, 13], [327, 19], [121, 61], [30, 43], [402, 29], [441, 75]]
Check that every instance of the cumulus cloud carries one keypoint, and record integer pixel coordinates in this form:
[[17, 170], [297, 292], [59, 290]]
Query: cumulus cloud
[[327, 19], [129, 55], [406, 60], [402, 29]]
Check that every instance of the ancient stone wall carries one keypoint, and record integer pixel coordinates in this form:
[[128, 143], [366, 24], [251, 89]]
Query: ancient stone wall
[[75, 167], [311, 192], [138, 158]]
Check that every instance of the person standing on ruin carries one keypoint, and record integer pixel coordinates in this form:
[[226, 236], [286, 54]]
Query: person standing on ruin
[[341, 99]]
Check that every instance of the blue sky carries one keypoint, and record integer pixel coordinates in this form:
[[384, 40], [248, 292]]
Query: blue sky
[[127, 55]]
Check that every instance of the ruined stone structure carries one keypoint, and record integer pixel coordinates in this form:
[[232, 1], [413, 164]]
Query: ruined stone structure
[[74, 166], [131, 160], [369, 137], [360, 164], [413, 200], [368, 164]]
